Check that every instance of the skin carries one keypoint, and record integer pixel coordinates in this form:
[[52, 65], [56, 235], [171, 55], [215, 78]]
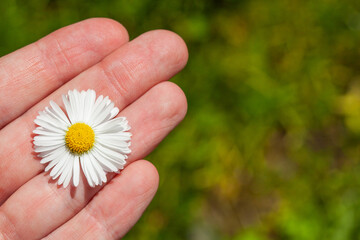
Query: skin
[[95, 54]]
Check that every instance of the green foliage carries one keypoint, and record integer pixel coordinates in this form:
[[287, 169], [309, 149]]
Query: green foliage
[[270, 146]]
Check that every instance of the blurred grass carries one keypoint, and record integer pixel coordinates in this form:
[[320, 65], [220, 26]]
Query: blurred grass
[[270, 146]]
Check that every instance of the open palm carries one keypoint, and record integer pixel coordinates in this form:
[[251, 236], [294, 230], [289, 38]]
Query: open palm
[[92, 54]]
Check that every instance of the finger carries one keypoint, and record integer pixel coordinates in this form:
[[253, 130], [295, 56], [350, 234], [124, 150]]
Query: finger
[[131, 70], [48, 206], [31, 73], [116, 208]]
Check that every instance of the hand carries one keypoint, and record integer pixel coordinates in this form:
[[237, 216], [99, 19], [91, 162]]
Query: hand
[[93, 54]]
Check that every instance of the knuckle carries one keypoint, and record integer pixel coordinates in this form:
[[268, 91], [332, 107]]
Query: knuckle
[[118, 77]]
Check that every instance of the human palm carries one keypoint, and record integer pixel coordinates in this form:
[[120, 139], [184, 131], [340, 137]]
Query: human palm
[[92, 54]]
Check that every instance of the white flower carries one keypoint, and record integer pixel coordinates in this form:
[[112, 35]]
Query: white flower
[[88, 135]]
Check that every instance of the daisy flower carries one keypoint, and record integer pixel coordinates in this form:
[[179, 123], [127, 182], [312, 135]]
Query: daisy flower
[[88, 136]]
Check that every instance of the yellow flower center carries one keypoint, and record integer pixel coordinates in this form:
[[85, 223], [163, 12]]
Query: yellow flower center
[[80, 138]]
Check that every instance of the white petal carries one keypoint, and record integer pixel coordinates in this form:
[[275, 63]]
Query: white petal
[[68, 168], [84, 169], [49, 152], [47, 148], [44, 143], [120, 136], [89, 104], [107, 165], [61, 170], [52, 164], [114, 112], [102, 157], [110, 155], [76, 173], [59, 112], [53, 154], [85, 162], [98, 109], [91, 170], [50, 117], [43, 131], [95, 106], [115, 155], [68, 108], [57, 169], [103, 115], [111, 126], [98, 169], [74, 106], [69, 174], [47, 125], [122, 148], [54, 137], [112, 143], [97, 103], [81, 105]]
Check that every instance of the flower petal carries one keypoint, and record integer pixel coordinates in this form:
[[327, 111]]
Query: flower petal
[[59, 113], [76, 173], [110, 149], [99, 171], [66, 172]]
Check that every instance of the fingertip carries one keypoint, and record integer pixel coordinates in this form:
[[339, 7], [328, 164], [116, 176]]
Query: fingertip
[[172, 100], [145, 178], [110, 27], [153, 116], [105, 32], [168, 46]]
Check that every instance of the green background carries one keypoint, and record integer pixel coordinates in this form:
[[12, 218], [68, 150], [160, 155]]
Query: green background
[[270, 145]]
